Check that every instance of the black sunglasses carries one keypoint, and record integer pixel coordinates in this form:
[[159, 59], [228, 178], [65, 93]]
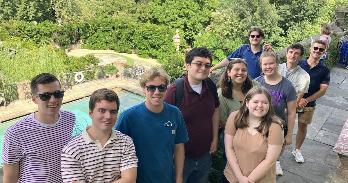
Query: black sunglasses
[[152, 88], [320, 49], [47, 95], [253, 36]]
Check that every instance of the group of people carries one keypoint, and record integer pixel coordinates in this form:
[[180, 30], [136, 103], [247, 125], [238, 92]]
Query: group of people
[[171, 136]]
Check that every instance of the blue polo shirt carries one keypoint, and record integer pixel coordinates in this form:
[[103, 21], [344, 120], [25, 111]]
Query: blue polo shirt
[[252, 59], [319, 74], [155, 136]]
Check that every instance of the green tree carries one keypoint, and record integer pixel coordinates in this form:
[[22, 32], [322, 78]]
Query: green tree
[[27, 10], [190, 16]]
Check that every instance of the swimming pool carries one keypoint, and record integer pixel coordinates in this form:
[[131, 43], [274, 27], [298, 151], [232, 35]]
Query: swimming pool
[[80, 109]]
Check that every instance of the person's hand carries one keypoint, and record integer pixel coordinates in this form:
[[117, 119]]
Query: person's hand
[[213, 146], [288, 139], [267, 47], [244, 179], [302, 103], [211, 69]]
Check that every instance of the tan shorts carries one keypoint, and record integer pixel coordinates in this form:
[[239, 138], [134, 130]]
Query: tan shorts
[[306, 116]]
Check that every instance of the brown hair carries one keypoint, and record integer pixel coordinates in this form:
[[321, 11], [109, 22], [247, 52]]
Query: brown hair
[[325, 29], [226, 84], [103, 94], [151, 74], [257, 29], [266, 121]]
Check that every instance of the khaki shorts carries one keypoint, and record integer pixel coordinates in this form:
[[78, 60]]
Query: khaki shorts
[[306, 116]]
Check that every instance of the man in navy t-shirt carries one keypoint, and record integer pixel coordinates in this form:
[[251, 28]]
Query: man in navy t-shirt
[[319, 82]]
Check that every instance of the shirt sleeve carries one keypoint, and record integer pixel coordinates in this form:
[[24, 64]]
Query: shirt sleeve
[[326, 79], [223, 108], [170, 93], [230, 127], [122, 123], [129, 158], [304, 83], [71, 168], [236, 54], [291, 93], [12, 151], [275, 134], [181, 131]]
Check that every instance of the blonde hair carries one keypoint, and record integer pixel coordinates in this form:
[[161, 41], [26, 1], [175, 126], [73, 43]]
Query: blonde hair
[[151, 74]]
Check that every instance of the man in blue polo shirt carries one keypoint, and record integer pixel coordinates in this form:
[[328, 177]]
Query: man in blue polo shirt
[[250, 52], [158, 132], [319, 82]]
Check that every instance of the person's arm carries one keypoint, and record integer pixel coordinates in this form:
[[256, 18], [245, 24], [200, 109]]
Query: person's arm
[[11, 173], [179, 158], [315, 96], [298, 98], [273, 152], [221, 64], [216, 121], [291, 111], [128, 176], [229, 149]]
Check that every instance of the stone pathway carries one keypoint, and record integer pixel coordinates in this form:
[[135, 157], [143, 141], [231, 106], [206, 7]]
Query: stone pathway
[[322, 165]]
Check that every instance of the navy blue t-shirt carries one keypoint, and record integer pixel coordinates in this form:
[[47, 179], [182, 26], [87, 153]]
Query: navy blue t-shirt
[[319, 74]]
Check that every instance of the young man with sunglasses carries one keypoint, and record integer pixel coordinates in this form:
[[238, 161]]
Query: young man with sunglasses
[[250, 52], [32, 146], [158, 132], [200, 110], [100, 154], [319, 82]]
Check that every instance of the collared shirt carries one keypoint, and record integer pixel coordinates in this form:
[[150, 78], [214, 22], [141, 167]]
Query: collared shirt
[[251, 58], [84, 159], [198, 110], [298, 77], [319, 74]]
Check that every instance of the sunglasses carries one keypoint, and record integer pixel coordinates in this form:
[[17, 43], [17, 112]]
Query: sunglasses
[[320, 49], [200, 65], [47, 95], [253, 36], [152, 88]]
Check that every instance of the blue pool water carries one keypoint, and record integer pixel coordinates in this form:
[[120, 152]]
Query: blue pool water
[[80, 109]]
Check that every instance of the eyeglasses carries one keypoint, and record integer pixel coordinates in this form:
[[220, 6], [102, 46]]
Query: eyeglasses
[[47, 95], [200, 65], [152, 88], [318, 48], [253, 36]]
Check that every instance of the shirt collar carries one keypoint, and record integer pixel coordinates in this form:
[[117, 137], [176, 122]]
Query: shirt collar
[[89, 140]]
